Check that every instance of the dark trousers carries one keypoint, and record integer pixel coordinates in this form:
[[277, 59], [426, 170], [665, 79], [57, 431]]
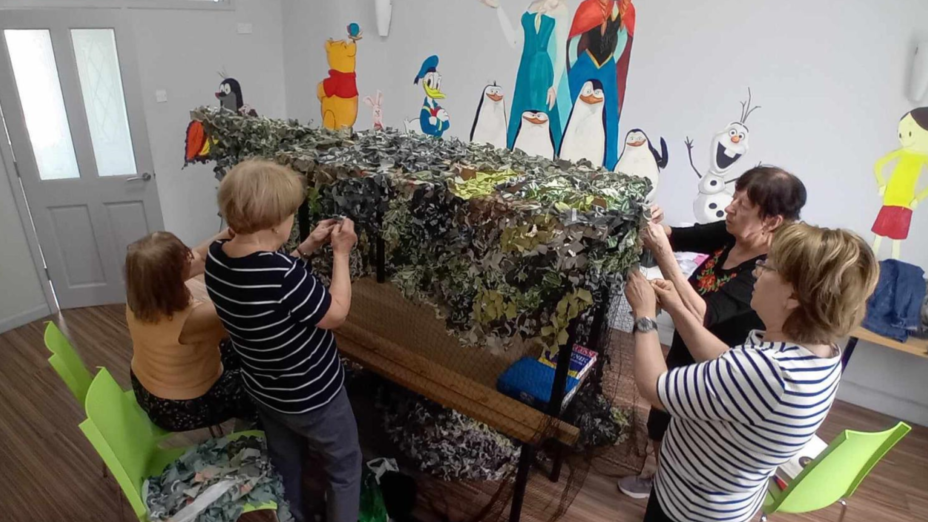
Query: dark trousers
[[654, 512], [331, 432]]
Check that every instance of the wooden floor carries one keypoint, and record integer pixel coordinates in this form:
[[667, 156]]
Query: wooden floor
[[49, 472]]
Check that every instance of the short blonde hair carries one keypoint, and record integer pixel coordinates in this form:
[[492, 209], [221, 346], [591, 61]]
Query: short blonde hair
[[833, 273], [258, 194]]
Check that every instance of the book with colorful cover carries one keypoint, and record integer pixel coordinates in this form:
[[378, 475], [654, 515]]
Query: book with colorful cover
[[581, 360]]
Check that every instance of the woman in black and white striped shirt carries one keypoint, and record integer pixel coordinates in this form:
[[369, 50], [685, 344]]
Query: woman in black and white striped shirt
[[739, 413], [280, 318]]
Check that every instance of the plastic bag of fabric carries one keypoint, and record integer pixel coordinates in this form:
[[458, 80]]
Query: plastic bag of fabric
[[373, 508]]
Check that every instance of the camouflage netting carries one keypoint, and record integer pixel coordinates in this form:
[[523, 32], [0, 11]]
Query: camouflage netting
[[506, 250]]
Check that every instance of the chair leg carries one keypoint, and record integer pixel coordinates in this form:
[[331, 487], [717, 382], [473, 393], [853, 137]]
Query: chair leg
[[843, 503], [105, 472]]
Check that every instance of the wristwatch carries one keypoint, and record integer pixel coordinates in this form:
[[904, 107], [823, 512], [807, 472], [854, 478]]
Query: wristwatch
[[645, 325]]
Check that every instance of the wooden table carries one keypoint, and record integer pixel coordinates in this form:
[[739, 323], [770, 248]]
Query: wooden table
[[917, 347]]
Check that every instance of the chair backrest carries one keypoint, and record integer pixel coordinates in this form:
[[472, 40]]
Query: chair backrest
[[837, 472], [67, 363], [121, 434]]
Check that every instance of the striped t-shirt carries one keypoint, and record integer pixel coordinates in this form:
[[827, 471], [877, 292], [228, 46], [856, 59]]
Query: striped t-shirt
[[270, 304], [735, 419]]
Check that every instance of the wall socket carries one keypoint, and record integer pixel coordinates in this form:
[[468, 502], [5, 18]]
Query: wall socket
[[245, 28], [161, 96]]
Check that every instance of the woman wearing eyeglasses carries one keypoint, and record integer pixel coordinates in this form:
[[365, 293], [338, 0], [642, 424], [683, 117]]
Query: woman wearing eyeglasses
[[739, 413], [718, 294]]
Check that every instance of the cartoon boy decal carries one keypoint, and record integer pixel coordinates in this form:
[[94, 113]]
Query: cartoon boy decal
[[899, 192]]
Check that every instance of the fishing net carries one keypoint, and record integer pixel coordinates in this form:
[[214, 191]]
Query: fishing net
[[475, 267]]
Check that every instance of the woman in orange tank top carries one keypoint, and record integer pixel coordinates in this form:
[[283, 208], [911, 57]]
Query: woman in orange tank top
[[183, 374]]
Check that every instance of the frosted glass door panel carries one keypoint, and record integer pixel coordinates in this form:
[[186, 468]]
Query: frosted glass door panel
[[104, 101], [36, 74]]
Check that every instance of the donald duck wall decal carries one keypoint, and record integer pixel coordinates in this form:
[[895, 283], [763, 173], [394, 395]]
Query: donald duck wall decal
[[433, 119]]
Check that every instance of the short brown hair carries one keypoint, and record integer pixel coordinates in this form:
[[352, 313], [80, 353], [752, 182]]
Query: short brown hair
[[155, 267], [258, 194], [833, 273], [774, 191]]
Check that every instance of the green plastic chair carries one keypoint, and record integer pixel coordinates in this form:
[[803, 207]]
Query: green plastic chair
[[126, 441], [835, 474], [67, 363]]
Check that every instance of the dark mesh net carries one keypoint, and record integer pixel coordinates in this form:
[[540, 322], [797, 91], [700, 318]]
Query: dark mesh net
[[471, 262]]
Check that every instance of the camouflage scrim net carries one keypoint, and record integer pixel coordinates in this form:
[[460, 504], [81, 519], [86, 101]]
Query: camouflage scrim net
[[486, 257]]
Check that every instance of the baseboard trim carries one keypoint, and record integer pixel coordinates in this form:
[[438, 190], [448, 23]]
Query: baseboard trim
[[880, 401], [24, 318]]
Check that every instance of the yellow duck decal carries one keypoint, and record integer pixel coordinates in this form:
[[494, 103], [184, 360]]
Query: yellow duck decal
[[338, 93]]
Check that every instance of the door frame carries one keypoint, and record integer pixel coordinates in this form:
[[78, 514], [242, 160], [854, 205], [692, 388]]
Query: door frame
[[25, 216]]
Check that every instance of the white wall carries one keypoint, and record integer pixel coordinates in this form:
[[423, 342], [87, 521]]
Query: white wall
[[831, 81], [21, 297], [183, 52]]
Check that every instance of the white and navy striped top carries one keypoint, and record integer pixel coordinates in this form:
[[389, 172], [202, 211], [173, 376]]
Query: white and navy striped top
[[270, 304], [735, 419]]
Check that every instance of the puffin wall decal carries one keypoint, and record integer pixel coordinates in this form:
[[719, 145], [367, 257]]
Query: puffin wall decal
[[490, 121], [534, 136], [585, 133]]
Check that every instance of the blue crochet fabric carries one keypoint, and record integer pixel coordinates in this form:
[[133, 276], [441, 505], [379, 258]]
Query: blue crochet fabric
[[893, 310]]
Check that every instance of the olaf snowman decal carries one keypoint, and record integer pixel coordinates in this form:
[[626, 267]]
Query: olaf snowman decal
[[728, 146]]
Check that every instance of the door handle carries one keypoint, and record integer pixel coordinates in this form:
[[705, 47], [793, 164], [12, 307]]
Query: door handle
[[144, 177]]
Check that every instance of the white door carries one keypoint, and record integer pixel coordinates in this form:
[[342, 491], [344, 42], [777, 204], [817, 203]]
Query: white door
[[71, 101]]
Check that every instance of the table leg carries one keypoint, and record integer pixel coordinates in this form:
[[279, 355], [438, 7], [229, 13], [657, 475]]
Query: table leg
[[526, 455]]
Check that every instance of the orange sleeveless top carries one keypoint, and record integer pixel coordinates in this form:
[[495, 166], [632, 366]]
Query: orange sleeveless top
[[167, 368]]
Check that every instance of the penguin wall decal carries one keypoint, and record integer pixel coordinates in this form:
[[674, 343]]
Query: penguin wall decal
[[585, 133], [490, 121], [534, 136], [642, 161]]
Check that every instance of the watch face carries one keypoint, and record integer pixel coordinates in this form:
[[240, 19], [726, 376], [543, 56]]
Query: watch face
[[645, 324]]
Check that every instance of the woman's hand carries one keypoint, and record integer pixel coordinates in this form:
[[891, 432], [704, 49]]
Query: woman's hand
[[667, 296], [656, 240], [344, 237], [320, 235], [640, 295], [657, 214]]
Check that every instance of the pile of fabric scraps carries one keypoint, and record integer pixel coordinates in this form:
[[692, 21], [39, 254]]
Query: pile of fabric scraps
[[213, 481], [442, 441]]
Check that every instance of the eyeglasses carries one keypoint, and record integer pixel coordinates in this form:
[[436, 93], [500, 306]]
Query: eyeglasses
[[764, 264]]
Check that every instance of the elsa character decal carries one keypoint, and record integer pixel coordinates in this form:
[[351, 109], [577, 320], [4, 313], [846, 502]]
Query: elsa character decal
[[543, 39]]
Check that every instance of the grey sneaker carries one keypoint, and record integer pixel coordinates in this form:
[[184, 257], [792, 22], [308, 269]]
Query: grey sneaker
[[636, 486]]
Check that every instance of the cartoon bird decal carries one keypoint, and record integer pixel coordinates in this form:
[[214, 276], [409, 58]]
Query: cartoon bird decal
[[338, 94], [490, 120], [585, 133], [534, 136], [640, 158], [433, 119]]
